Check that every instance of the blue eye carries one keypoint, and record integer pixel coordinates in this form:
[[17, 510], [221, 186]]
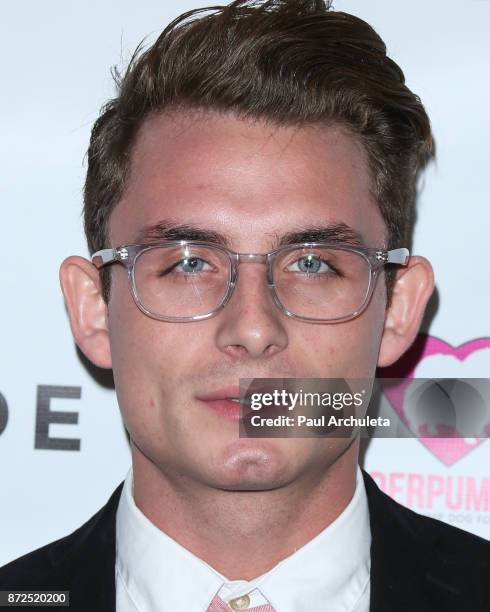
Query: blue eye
[[311, 264], [191, 265], [187, 266]]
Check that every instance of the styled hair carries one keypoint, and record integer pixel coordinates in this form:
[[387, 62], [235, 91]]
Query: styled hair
[[289, 62]]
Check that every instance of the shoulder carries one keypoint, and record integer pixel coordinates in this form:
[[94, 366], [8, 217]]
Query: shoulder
[[32, 570], [70, 559], [422, 561], [442, 536]]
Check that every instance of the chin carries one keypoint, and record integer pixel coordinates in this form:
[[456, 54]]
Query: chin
[[254, 465]]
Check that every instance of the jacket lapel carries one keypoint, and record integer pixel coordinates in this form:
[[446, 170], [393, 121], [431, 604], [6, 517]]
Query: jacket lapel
[[85, 561], [417, 563]]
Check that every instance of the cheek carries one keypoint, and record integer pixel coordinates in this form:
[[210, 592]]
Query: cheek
[[143, 374], [347, 349], [147, 354], [133, 347]]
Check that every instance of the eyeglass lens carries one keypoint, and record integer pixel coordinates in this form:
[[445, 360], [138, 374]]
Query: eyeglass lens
[[192, 280]]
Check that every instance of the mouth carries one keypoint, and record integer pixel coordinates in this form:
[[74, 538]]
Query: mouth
[[227, 402], [227, 407], [235, 403]]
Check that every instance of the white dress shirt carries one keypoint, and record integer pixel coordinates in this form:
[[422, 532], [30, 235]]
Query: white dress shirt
[[330, 573]]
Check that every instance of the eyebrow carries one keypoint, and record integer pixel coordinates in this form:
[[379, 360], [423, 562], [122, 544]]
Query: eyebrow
[[334, 233]]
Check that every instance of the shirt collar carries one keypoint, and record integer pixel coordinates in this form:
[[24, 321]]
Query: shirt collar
[[332, 567], [157, 571]]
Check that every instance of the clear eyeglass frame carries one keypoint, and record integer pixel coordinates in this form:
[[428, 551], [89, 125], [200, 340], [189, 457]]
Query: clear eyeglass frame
[[128, 254]]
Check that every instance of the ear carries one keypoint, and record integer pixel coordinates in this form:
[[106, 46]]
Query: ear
[[412, 289], [81, 286]]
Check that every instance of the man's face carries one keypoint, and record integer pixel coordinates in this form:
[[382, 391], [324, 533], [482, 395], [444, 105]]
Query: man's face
[[252, 183]]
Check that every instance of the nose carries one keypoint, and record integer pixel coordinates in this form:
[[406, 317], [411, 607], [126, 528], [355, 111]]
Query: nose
[[251, 325]]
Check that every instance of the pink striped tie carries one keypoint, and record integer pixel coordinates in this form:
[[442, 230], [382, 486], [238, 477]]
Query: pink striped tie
[[218, 605]]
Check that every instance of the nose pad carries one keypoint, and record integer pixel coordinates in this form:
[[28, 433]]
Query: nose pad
[[240, 284], [263, 283]]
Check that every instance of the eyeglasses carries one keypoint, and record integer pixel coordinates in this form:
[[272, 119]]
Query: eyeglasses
[[187, 280]]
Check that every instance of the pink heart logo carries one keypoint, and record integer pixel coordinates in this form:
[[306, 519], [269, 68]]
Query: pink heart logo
[[447, 450]]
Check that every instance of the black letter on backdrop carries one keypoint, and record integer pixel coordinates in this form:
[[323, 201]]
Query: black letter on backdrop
[[45, 416], [4, 413]]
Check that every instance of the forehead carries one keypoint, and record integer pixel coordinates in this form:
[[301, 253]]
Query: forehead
[[249, 180]]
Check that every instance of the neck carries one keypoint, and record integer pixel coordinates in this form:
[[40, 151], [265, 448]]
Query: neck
[[219, 526]]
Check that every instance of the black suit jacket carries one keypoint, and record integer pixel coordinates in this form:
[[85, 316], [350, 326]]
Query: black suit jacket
[[418, 564]]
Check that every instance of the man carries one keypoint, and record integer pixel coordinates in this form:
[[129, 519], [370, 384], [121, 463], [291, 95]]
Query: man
[[253, 128]]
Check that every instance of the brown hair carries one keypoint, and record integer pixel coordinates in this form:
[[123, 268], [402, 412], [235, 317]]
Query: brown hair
[[290, 62]]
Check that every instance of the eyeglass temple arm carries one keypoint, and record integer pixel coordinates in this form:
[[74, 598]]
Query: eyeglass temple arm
[[397, 256], [105, 256]]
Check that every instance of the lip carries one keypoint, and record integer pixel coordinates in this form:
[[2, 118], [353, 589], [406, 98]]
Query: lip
[[220, 394], [224, 408], [218, 401], [234, 391]]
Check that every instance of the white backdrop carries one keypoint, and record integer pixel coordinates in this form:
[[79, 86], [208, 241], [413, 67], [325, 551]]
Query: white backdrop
[[55, 76]]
